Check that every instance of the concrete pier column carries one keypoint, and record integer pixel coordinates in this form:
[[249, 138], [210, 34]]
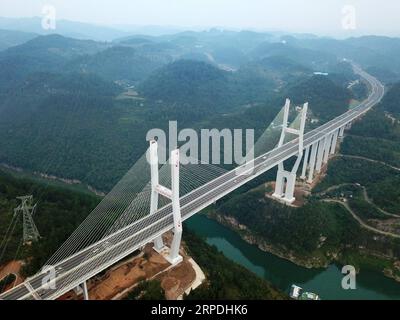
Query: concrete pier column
[[305, 164], [341, 132], [328, 141], [158, 244], [313, 157], [320, 155], [334, 141], [85, 291], [290, 186], [279, 184]]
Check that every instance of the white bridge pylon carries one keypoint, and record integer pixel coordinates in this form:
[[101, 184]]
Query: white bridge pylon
[[173, 194], [315, 155], [285, 191]]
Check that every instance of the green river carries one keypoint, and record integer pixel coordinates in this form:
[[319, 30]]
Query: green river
[[282, 273]]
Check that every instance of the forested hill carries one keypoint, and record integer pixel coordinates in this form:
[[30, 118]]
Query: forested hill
[[326, 99], [391, 101], [42, 54], [194, 83], [80, 109], [11, 38], [120, 62]]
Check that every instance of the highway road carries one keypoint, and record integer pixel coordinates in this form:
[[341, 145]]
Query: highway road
[[90, 261]]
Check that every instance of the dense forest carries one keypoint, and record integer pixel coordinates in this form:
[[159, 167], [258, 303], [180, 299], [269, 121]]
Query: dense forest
[[375, 137], [79, 104]]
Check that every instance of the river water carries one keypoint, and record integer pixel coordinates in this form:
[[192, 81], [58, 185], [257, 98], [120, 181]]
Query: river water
[[283, 273]]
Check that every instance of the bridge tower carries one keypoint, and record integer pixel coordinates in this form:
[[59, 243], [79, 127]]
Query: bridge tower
[[172, 194], [286, 180], [30, 232]]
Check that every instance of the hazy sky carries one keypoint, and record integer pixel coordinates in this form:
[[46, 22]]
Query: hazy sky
[[316, 16]]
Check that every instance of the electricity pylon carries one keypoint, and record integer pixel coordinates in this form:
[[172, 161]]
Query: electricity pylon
[[30, 232]]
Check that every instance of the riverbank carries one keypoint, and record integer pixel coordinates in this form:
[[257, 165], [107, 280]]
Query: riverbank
[[247, 235], [381, 264], [282, 273]]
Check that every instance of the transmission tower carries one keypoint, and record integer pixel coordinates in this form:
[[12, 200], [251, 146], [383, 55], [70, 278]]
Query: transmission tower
[[27, 209]]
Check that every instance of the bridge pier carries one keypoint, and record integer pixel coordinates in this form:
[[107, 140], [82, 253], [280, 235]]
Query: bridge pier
[[334, 141], [82, 289], [341, 132], [328, 141], [320, 155], [305, 164], [320, 152], [85, 291], [313, 159], [285, 191], [285, 185]]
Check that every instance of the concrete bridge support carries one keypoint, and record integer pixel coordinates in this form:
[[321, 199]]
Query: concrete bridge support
[[328, 142], [82, 289], [341, 132], [334, 141], [305, 164], [313, 159], [320, 155], [320, 152], [85, 291], [286, 182]]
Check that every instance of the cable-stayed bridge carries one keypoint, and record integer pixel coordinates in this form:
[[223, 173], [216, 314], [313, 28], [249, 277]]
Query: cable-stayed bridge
[[128, 219]]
